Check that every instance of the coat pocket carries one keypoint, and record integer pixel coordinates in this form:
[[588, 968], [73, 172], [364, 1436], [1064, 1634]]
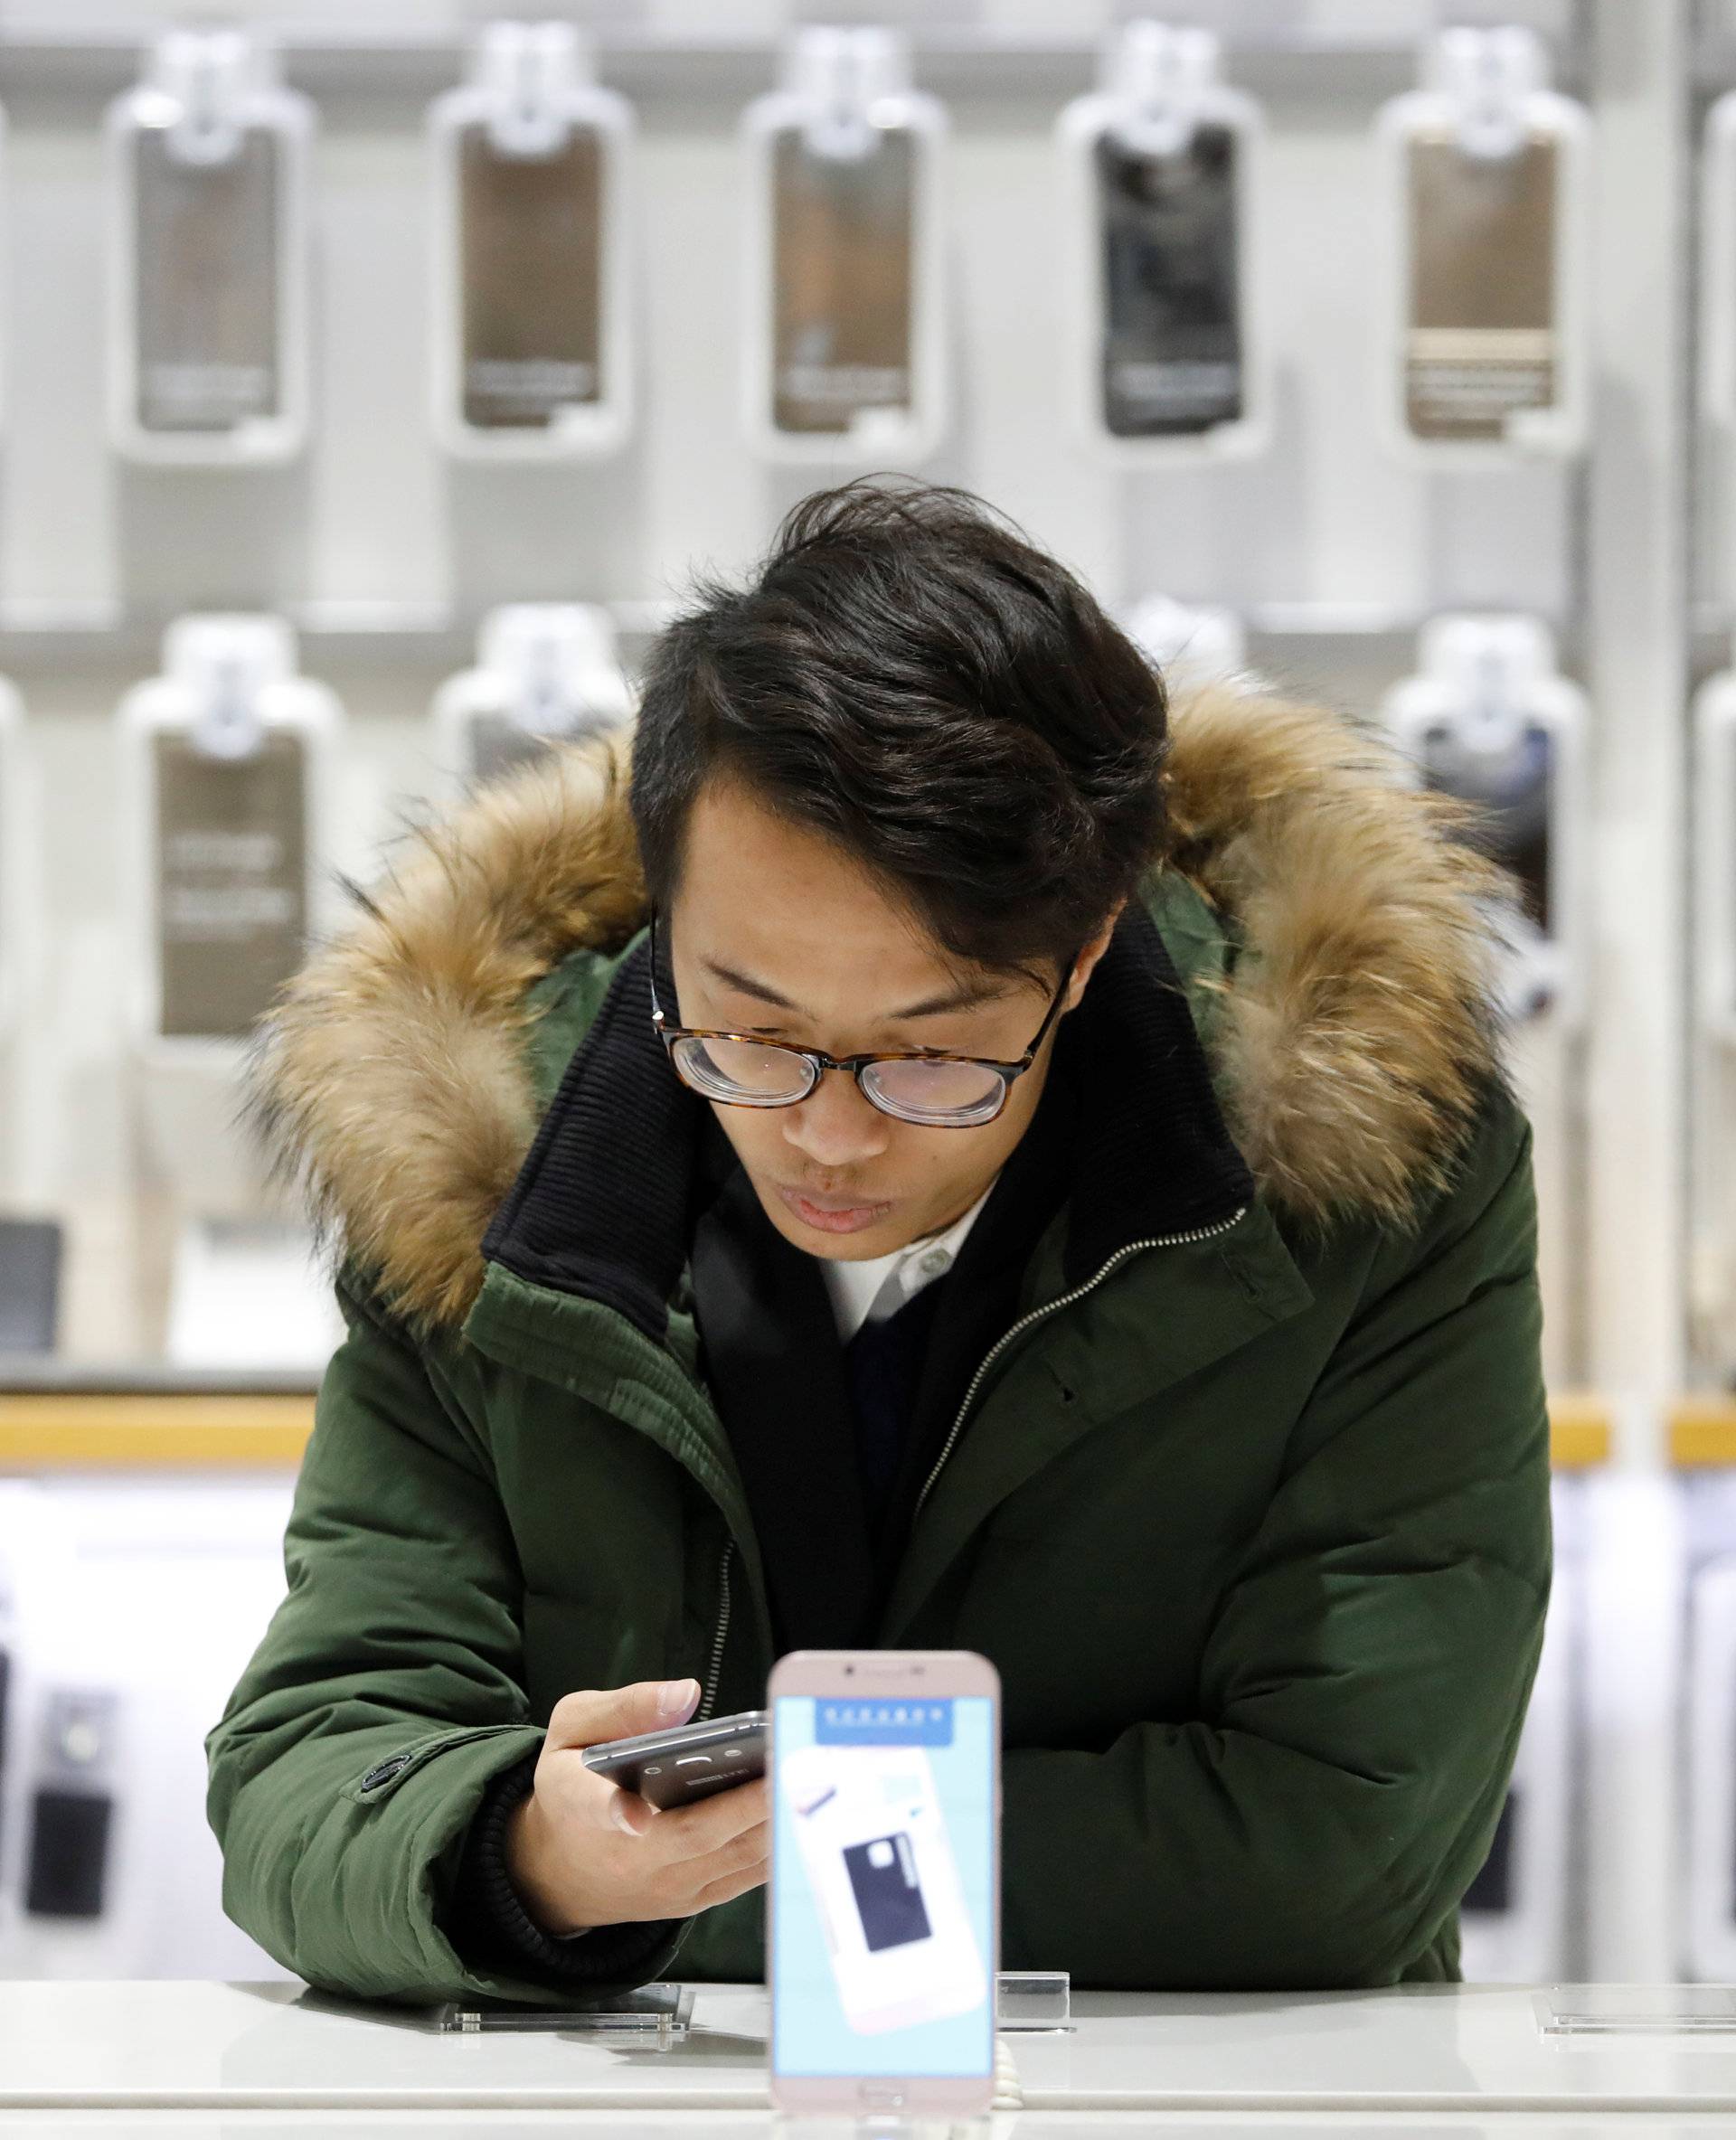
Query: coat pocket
[[381, 1778]]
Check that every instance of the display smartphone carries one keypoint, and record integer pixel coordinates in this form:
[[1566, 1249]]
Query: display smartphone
[[847, 344], [1485, 232], [1512, 791], [209, 164], [1171, 352], [532, 289], [687, 1761], [884, 1912], [1481, 345]]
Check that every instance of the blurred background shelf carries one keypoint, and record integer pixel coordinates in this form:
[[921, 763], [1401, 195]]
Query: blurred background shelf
[[1701, 1432], [156, 1420], [152, 1429], [45, 639], [1369, 50], [1582, 1435]]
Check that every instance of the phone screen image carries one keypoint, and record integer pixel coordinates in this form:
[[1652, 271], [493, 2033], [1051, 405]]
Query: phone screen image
[[843, 280], [1172, 350], [1513, 794], [1482, 339], [883, 1840]]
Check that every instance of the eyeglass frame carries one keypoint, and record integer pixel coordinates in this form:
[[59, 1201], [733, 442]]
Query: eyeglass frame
[[819, 1061]]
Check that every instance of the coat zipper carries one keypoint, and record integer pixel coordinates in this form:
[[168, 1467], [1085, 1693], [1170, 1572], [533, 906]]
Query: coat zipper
[[714, 1669], [1051, 1307]]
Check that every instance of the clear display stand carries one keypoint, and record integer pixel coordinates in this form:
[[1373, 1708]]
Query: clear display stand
[[1033, 1999], [1027, 2000], [661, 2013], [1636, 2010]]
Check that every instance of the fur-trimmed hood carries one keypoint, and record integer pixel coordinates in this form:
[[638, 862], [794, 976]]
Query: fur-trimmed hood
[[1354, 1035]]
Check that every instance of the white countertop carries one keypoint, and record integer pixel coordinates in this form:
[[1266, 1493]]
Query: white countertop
[[619, 2124], [165, 2045]]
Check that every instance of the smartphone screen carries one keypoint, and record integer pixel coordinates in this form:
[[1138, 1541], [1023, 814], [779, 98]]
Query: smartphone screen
[[1513, 794], [1172, 348], [843, 239], [209, 323], [1481, 344], [532, 234], [231, 880], [883, 1868]]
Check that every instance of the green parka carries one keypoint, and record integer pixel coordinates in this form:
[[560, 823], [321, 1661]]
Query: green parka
[[1253, 1521]]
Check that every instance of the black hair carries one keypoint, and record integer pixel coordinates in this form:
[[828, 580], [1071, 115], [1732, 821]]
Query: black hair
[[908, 675]]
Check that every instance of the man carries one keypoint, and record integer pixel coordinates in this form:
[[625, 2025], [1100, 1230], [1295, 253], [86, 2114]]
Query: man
[[944, 1161]]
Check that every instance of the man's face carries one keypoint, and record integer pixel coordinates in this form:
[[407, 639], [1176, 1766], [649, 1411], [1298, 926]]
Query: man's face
[[775, 931]]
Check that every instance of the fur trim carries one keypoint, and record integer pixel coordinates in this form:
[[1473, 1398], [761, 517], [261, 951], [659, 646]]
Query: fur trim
[[390, 1080], [1357, 1035], [1362, 1026]]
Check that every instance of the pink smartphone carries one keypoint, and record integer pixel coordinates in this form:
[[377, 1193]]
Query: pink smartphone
[[884, 1908]]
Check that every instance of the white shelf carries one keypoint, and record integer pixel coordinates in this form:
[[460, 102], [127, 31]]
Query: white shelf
[[1270, 49], [32, 643]]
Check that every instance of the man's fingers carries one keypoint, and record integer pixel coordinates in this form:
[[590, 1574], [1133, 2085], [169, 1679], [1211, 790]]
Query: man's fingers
[[595, 1714], [751, 1847], [590, 1800], [695, 1830], [628, 1812], [729, 1885]]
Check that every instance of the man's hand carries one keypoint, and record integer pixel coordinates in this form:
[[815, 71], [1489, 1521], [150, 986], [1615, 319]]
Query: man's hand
[[581, 1852]]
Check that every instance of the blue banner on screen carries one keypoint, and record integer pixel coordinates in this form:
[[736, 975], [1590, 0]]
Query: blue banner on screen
[[884, 1828], [881, 1723]]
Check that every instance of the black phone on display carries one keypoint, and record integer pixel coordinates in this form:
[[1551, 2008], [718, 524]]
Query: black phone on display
[[687, 1761]]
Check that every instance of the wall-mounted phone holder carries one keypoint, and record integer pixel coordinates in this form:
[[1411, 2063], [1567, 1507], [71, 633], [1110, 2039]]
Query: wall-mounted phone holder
[[1484, 353], [1489, 719], [207, 77], [528, 72], [837, 77], [227, 763], [1189, 646], [534, 348], [546, 672], [843, 357], [1162, 80], [1162, 305], [208, 163], [1488, 78], [225, 665]]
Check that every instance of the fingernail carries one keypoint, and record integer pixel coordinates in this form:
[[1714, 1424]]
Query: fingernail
[[618, 1814], [676, 1696]]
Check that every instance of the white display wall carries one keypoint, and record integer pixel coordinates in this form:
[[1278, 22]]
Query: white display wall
[[384, 553]]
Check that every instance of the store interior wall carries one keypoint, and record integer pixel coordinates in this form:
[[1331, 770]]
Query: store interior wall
[[386, 556]]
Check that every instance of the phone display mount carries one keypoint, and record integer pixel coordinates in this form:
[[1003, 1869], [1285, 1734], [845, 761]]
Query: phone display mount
[[1027, 2001]]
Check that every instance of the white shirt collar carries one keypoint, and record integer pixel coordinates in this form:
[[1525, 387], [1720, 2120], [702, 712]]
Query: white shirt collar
[[877, 1286]]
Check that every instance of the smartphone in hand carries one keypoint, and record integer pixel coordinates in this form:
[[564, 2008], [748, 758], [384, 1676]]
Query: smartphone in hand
[[687, 1761]]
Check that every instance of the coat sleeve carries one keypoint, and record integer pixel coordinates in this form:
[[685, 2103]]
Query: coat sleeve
[[386, 1696], [1366, 1677]]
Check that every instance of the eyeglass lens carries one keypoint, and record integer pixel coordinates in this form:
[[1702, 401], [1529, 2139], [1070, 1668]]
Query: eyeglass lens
[[745, 1074]]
